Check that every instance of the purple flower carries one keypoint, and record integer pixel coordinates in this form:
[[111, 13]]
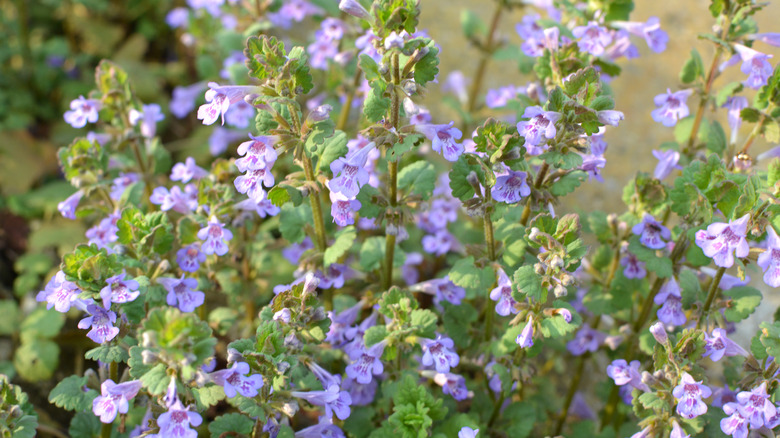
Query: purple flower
[[263, 208], [438, 353], [769, 260], [333, 399], [282, 315], [652, 233], [499, 97], [671, 107], [540, 124], [67, 208], [528, 27], [755, 406], [219, 98], [176, 200], [216, 237], [321, 50], [362, 395], [440, 243], [633, 267], [59, 293], [718, 345], [586, 339], [689, 394], [511, 188], [182, 293], [354, 8], [659, 333], [563, 312], [178, 17], [502, 294], [467, 432], [366, 363], [190, 257], [526, 337], [187, 171], [592, 38], [183, 99], [114, 399], [624, 374], [297, 10], [610, 117], [456, 83], [442, 289], [342, 209], [652, 33], [119, 290], [735, 105], [121, 183], [235, 380], [677, 431], [671, 312], [755, 65], [258, 153], [453, 385], [443, 139], [350, 173], [667, 161], [622, 46], [294, 252], [324, 429], [720, 241], [176, 422], [735, 424], [82, 111], [103, 235], [395, 39], [101, 322], [240, 114], [148, 116], [670, 289], [252, 183], [334, 276]]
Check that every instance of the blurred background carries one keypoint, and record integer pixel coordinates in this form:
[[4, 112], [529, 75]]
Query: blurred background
[[49, 50]]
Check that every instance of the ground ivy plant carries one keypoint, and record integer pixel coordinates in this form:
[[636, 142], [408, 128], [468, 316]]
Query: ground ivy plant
[[348, 263]]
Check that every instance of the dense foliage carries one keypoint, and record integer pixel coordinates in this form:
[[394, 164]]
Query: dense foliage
[[338, 264]]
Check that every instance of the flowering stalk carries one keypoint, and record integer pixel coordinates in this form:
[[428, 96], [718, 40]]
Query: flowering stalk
[[537, 184], [347, 107], [488, 51], [711, 295], [708, 84], [392, 172], [491, 251]]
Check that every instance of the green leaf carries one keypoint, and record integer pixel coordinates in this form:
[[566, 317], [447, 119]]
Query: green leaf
[[375, 335], [521, 417], [771, 131], [744, 300], [369, 208], [690, 288], [369, 67], [231, 423], [69, 394], [418, 178], [156, 380], [471, 24], [292, 221], [425, 321], [773, 176], [283, 193], [9, 322], [376, 104], [36, 360], [345, 238], [568, 183], [716, 138], [208, 396], [770, 338], [108, 353], [693, 68], [372, 253], [650, 400], [661, 266], [461, 169], [528, 285], [559, 160], [426, 69], [332, 148], [475, 280], [85, 425], [750, 115], [727, 91], [457, 321]]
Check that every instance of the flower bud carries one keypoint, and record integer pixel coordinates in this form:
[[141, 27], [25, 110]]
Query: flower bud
[[310, 283], [319, 114], [567, 280], [355, 9], [148, 339], [539, 269], [659, 333], [410, 88], [148, 357], [556, 263], [234, 356], [564, 312], [648, 379], [560, 291], [534, 233], [613, 342], [291, 341]]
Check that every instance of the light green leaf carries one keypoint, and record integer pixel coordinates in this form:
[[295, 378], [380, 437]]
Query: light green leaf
[[345, 238]]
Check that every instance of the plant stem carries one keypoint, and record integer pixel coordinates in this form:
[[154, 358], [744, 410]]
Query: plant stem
[[488, 51], [708, 85], [491, 251], [316, 208], [538, 183], [392, 175], [344, 114], [711, 295], [614, 397], [752, 136]]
